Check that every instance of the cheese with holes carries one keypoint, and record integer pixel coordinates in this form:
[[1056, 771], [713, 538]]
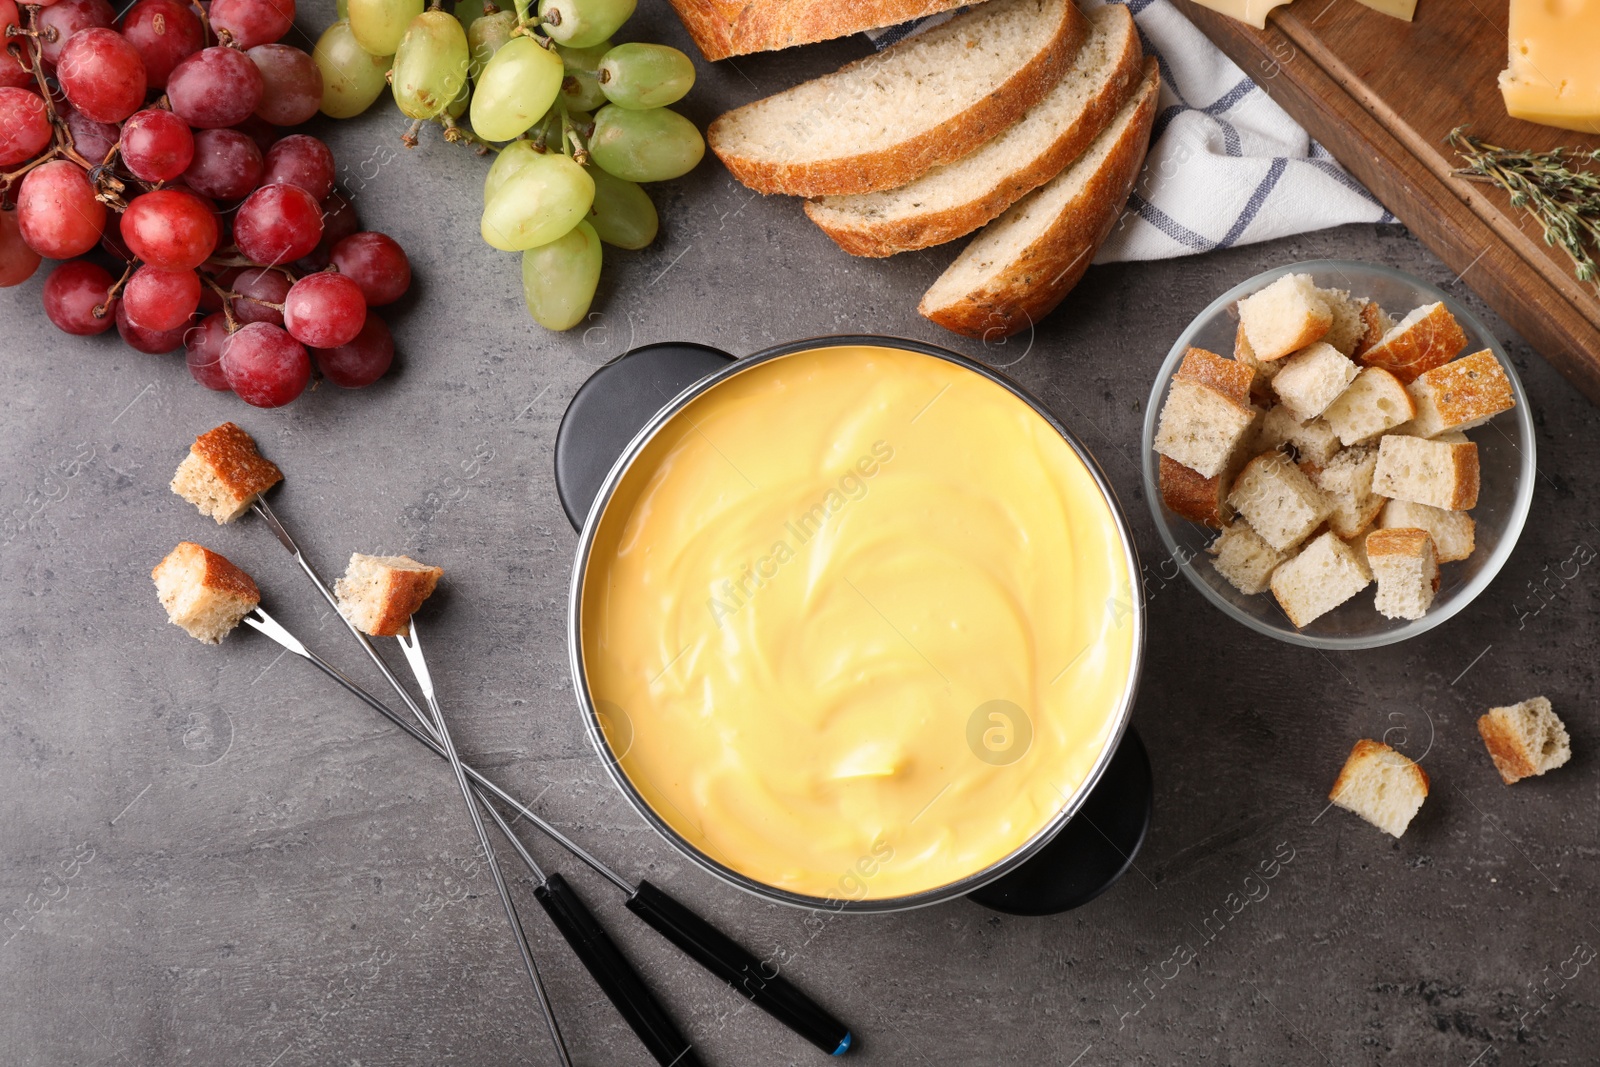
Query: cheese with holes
[[1554, 74], [1252, 11]]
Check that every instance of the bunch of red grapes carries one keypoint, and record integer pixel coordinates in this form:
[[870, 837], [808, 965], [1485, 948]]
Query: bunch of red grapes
[[155, 144]]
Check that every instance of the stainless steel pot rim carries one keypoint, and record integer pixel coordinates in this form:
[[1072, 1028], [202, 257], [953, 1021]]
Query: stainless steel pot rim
[[591, 717]]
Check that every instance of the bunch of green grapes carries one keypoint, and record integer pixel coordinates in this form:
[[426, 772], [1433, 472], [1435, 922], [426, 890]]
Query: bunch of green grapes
[[576, 122]]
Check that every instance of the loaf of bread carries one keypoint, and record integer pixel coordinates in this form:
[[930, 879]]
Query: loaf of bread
[[379, 594], [223, 473], [203, 592], [723, 28], [1380, 785]]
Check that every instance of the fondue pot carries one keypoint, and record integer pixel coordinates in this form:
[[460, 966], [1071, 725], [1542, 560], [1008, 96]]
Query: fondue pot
[[608, 428]]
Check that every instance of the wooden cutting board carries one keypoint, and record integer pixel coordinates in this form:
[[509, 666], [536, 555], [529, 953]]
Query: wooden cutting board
[[1381, 94]]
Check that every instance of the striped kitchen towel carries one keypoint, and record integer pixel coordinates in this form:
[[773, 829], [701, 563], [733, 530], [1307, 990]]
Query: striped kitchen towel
[[1227, 165]]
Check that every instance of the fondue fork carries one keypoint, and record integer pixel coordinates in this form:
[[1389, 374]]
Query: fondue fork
[[758, 981]]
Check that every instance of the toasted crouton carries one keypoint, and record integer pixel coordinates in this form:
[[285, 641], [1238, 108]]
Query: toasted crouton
[[1423, 340], [1427, 472], [1200, 427], [1228, 377], [1261, 383], [1312, 379], [1347, 479], [1452, 531], [1375, 322], [379, 594], [1278, 501], [1463, 393], [1525, 739], [1406, 569], [203, 592], [1325, 574], [1244, 559], [1285, 316], [1312, 441], [224, 473], [1348, 327], [1380, 785], [1375, 402]]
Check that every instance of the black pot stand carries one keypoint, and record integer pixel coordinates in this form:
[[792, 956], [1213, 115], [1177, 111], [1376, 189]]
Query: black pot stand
[[1097, 845]]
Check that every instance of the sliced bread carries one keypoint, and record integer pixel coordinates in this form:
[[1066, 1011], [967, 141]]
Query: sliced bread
[[1407, 571], [1025, 262], [1380, 785], [723, 28], [887, 119], [953, 200], [1428, 472], [1525, 739], [1325, 574]]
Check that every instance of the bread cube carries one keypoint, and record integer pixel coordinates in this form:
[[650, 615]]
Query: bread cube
[[1325, 574], [1347, 479], [224, 473], [1380, 785], [1278, 501], [1285, 316], [1200, 427], [1312, 379], [1348, 327], [379, 594], [1313, 441], [1427, 338], [1261, 383], [1525, 739], [1375, 402], [1407, 571], [1228, 377], [1436, 473], [1375, 322], [1244, 559], [1463, 393], [1453, 532], [1198, 499], [203, 592]]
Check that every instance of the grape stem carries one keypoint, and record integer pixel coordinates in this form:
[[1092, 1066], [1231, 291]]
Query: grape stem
[[100, 310], [455, 133], [409, 138], [571, 143], [227, 308]]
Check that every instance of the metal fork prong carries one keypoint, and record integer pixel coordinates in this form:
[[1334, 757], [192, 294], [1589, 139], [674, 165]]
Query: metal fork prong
[[266, 624]]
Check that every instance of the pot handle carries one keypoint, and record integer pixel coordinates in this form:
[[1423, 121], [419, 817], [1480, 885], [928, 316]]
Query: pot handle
[[610, 409]]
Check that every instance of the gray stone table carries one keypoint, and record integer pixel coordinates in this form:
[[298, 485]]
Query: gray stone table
[[208, 856]]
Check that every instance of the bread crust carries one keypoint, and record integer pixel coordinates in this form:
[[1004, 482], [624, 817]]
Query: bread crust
[[1505, 749], [1228, 377], [865, 237], [868, 172], [1040, 276], [403, 593], [232, 457], [215, 572], [1364, 750], [1462, 393], [1192, 495], [723, 28], [1429, 342]]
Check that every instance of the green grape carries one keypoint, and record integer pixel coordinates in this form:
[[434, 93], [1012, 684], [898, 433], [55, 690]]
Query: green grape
[[458, 106], [559, 278], [430, 68], [645, 146], [379, 24], [486, 36], [351, 77], [623, 214], [583, 23], [518, 84], [642, 76], [540, 200], [469, 11], [581, 89], [512, 158]]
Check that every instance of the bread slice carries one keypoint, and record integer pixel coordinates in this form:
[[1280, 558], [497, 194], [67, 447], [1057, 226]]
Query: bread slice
[[1200, 428], [1347, 479], [951, 201], [203, 592], [887, 119], [723, 28], [1382, 786], [1025, 262], [379, 594], [1325, 574], [1244, 559], [1312, 379], [1348, 327], [1313, 441], [1406, 569], [1261, 385], [1375, 402], [1525, 739], [1285, 316], [1427, 472], [1459, 395], [224, 473], [1278, 501], [1423, 340], [1375, 323], [1453, 532]]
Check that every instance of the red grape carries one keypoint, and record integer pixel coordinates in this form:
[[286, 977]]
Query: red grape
[[12, 72], [151, 342], [157, 299], [258, 288], [102, 74], [66, 18], [227, 165], [293, 84], [338, 222], [277, 224], [71, 294], [59, 216], [302, 160], [376, 263], [215, 87], [263, 133], [265, 366], [157, 145], [17, 260], [324, 310], [170, 228], [24, 126], [202, 351], [92, 140], [252, 22], [164, 32], [363, 360]]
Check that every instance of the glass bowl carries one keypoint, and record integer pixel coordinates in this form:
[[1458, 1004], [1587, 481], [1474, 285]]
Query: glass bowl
[[1505, 457]]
